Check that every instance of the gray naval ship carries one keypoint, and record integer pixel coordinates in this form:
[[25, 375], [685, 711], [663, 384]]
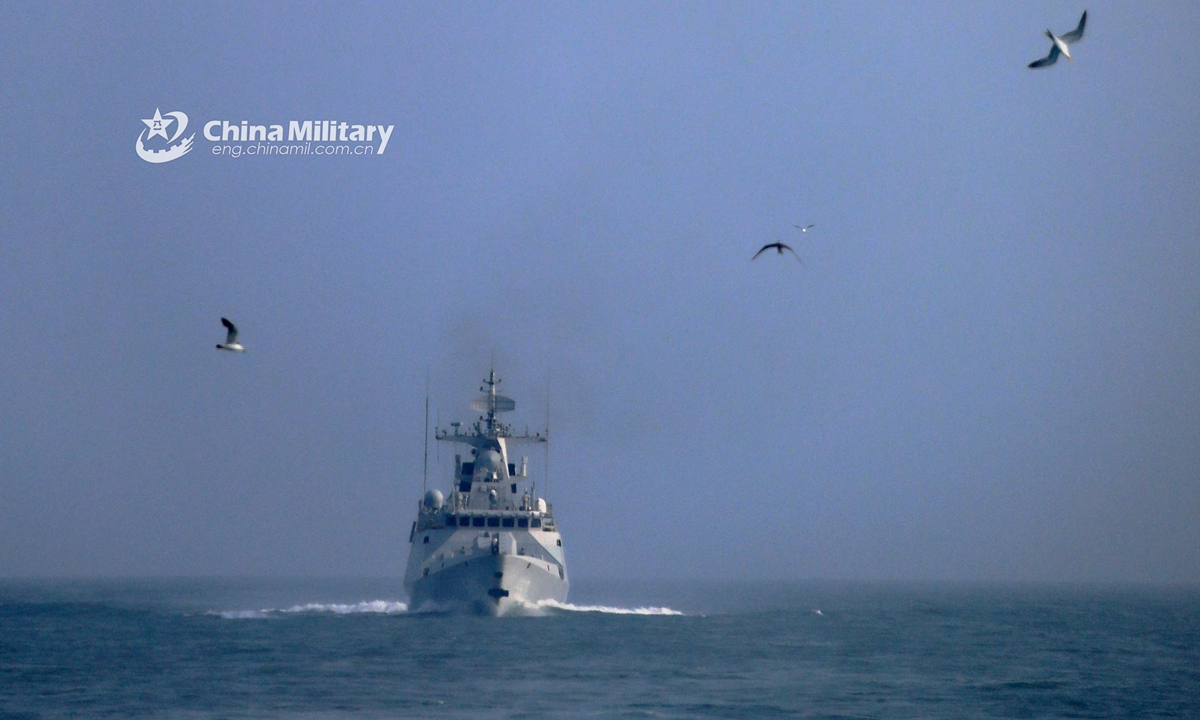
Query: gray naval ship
[[491, 546]]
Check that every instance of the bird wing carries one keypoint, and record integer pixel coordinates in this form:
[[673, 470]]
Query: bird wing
[[785, 247], [1076, 34], [231, 334], [1048, 60], [763, 250]]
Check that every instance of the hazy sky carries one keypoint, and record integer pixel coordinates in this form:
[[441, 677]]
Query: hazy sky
[[987, 368]]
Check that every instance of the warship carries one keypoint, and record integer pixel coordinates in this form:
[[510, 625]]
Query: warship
[[490, 545]]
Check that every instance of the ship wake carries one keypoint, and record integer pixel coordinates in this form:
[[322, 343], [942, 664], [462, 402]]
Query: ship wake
[[391, 607], [606, 609], [379, 607]]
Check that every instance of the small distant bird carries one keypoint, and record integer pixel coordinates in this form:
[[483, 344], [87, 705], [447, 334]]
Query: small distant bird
[[1060, 44], [805, 227], [778, 247], [231, 343]]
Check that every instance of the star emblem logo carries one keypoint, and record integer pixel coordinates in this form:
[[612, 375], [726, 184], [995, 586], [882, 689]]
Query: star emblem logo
[[158, 124]]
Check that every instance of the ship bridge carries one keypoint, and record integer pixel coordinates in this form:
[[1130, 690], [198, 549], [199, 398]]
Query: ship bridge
[[487, 480]]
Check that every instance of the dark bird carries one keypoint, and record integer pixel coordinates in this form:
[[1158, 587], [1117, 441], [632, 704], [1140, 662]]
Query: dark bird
[[778, 247], [231, 343], [804, 228], [1060, 43]]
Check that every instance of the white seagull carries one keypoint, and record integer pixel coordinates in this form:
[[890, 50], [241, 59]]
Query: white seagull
[[1060, 44], [231, 344], [804, 228]]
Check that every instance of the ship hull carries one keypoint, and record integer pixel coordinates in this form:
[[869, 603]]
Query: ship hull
[[490, 585]]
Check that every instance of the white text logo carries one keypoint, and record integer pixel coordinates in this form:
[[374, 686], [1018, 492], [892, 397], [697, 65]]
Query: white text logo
[[307, 137], [297, 138]]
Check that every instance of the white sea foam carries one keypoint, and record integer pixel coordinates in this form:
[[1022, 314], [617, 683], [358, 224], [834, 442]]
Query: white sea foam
[[242, 614], [384, 607], [391, 607], [387, 607], [609, 609]]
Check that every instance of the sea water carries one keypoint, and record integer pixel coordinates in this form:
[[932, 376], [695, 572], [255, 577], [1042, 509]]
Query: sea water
[[352, 649]]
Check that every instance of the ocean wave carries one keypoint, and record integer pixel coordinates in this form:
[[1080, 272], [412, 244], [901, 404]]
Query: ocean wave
[[382, 607], [391, 607], [386, 607], [241, 614], [607, 609]]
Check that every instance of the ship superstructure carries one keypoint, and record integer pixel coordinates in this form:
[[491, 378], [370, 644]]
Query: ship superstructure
[[491, 544]]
